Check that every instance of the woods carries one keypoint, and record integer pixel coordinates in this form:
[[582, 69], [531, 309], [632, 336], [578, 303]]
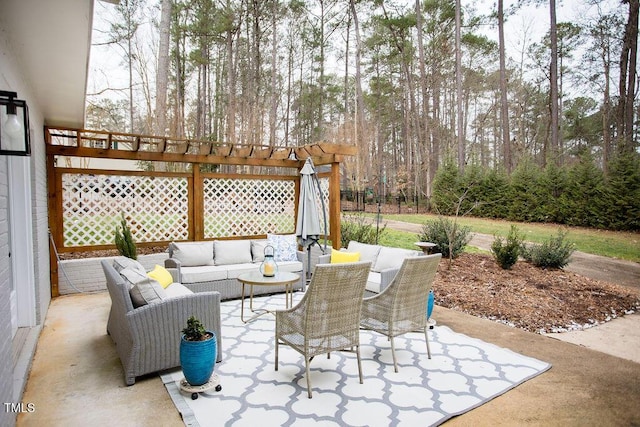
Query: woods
[[413, 84]]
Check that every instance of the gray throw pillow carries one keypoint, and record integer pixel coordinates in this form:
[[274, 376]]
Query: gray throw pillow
[[142, 289], [123, 262]]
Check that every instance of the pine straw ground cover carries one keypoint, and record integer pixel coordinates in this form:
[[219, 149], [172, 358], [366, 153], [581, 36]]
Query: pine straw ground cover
[[527, 297]]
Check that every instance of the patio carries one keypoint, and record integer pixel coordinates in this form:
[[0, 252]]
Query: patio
[[76, 377]]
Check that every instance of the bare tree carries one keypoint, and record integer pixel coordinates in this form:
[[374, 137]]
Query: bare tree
[[162, 74], [553, 75], [504, 103]]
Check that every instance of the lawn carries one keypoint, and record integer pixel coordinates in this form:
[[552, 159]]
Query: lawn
[[614, 244]]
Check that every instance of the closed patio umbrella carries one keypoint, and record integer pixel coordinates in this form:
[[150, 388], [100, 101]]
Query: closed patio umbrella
[[308, 222]]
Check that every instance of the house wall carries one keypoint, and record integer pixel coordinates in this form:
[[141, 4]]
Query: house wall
[[12, 380]]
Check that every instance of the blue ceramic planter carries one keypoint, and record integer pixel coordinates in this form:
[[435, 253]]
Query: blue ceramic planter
[[430, 303], [198, 358]]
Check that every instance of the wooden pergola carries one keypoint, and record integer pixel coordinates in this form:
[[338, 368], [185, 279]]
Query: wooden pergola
[[68, 143]]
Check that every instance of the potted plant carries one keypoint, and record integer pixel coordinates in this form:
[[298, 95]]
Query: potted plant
[[124, 240], [198, 349]]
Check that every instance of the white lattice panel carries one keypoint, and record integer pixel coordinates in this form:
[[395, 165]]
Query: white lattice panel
[[245, 207], [324, 188], [156, 208]]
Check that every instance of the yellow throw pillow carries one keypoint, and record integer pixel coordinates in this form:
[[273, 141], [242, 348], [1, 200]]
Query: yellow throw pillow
[[161, 275], [338, 257]]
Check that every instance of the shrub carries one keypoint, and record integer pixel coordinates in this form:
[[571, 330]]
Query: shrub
[[553, 253], [356, 226], [449, 237], [506, 253], [124, 240]]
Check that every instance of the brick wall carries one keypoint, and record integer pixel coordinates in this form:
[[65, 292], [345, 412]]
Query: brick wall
[[86, 275]]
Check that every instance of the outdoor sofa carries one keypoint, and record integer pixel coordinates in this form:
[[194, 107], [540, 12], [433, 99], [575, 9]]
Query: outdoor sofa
[[215, 265], [146, 319], [385, 262]]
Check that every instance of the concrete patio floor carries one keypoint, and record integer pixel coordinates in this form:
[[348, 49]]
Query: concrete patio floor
[[77, 380]]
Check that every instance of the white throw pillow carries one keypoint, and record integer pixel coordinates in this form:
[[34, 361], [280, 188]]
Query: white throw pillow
[[284, 245], [232, 251], [367, 252], [392, 258], [257, 249], [192, 254]]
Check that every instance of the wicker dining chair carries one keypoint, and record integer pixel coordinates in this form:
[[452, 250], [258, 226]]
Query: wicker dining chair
[[402, 306], [327, 318]]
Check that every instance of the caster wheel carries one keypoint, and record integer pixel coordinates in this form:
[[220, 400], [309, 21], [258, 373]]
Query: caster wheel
[[194, 396], [218, 387]]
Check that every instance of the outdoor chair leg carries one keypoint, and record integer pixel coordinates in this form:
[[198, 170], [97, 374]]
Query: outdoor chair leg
[[276, 354], [426, 338], [307, 361], [359, 363], [393, 353]]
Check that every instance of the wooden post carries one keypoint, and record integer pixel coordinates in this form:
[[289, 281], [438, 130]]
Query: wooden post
[[334, 205], [55, 218], [196, 205]]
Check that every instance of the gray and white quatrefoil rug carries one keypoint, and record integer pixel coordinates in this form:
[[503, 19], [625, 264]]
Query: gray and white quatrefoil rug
[[462, 374]]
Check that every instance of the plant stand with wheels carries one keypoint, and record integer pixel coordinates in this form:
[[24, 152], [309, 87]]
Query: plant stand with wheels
[[195, 390]]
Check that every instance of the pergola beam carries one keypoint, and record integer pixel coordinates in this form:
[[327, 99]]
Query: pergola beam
[[112, 145]]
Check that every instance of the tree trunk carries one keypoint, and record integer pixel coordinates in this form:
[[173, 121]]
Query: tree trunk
[[274, 74], [628, 62], [162, 75], [359, 125], [504, 104], [553, 73], [460, 121]]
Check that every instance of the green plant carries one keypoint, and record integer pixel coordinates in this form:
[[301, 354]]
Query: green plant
[[553, 253], [357, 227], [449, 237], [124, 240], [506, 252], [195, 331]]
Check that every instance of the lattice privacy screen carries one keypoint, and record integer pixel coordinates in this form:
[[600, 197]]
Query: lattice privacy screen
[[156, 208], [324, 188], [245, 207]]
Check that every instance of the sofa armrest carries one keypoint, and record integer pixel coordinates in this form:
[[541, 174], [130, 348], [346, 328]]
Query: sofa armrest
[[157, 327], [173, 266], [324, 259], [387, 276]]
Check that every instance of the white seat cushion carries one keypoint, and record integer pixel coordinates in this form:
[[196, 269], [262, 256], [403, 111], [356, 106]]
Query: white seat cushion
[[373, 282], [290, 266], [206, 273], [234, 270], [177, 290]]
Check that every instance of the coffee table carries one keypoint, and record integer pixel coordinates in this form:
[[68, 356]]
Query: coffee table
[[255, 278]]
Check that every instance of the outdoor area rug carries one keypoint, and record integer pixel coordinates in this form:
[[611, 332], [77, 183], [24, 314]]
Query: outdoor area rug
[[462, 374]]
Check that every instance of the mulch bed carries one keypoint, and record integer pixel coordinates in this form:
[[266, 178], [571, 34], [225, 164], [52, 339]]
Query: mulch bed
[[527, 297]]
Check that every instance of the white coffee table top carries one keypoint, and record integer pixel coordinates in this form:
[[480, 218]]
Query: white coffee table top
[[280, 278]]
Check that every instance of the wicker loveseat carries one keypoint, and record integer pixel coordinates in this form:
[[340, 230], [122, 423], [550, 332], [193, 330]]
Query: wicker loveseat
[[385, 262], [214, 265], [147, 338]]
